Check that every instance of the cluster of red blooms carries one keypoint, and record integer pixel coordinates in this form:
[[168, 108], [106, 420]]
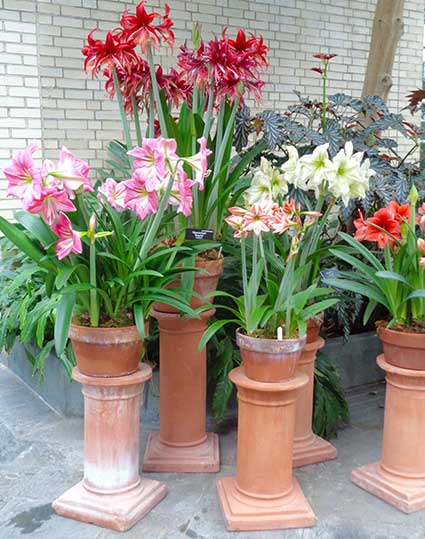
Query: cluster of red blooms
[[385, 221], [233, 65]]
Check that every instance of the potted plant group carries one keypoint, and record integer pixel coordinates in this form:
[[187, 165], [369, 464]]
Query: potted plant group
[[103, 252], [393, 277], [194, 102]]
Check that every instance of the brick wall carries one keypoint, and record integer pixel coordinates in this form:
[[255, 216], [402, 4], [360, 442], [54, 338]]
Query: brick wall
[[46, 96]]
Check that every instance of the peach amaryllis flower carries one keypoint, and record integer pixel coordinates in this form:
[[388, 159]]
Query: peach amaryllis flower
[[141, 27], [421, 211], [281, 221], [23, 176], [69, 240], [257, 219]]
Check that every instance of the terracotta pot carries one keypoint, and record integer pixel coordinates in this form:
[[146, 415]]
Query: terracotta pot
[[106, 351], [314, 325], [404, 350], [269, 360], [204, 284]]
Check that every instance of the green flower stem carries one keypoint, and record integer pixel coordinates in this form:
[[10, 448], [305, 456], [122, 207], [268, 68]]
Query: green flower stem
[[153, 229], [94, 307], [151, 116], [136, 120], [324, 94], [245, 280], [208, 119], [219, 155], [125, 126], [155, 88]]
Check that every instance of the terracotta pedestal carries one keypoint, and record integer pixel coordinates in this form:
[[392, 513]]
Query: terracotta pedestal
[[112, 493], [399, 477], [264, 495], [182, 444], [309, 448]]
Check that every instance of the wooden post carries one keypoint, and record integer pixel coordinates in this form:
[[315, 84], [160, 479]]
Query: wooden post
[[386, 32]]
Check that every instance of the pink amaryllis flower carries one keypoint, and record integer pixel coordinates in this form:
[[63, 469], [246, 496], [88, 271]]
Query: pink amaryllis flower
[[141, 27], [23, 176], [69, 240], [138, 198], [421, 245], [181, 194], [150, 160], [50, 203], [257, 219], [72, 173], [114, 193], [199, 162]]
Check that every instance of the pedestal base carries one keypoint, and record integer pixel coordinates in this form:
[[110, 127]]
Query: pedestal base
[[204, 457], [115, 511], [246, 513], [407, 496], [312, 451]]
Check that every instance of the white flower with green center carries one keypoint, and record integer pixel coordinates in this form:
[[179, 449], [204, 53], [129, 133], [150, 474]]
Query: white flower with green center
[[267, 184], [317, 169], [349, 179], [292, 169]]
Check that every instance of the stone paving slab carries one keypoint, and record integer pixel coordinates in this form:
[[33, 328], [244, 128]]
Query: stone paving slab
[[41, 455]]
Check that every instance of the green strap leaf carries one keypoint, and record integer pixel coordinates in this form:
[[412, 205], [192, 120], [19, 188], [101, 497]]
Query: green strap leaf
[[63, 321]]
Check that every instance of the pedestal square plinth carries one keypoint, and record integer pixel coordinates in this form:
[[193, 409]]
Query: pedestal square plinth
[[315, 450]]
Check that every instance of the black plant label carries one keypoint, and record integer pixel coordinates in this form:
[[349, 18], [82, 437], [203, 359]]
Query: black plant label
[[199, 234]]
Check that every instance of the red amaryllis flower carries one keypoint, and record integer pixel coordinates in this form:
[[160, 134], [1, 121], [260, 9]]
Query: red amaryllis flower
[[252, 46], [324, 57], [317, 70], [142, 28], [383, 228], [117, 50]]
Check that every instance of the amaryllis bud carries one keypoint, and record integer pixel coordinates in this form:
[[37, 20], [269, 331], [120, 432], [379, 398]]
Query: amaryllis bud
[[422, 262], [91, 232], [421, 245]]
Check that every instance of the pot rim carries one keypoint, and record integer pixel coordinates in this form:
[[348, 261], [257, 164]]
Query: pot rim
[[270, 346], [105, 336], [213, 267], [399, 338]]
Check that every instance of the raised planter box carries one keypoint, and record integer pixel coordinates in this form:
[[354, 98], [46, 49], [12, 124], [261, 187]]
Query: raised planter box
[[355, 360]]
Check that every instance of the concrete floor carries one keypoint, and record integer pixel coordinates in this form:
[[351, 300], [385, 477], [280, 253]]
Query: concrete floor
[[41, 455]]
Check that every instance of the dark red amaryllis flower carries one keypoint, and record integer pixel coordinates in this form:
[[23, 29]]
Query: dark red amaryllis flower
[[134, 81], [233, 66], [385, 225], [317, 70], [142, 28], [324, 57], [117, 50], [175, 85], [252, 46]]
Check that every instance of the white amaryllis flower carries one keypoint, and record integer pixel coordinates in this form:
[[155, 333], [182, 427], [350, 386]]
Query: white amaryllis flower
[[267, 184], [317, 168], [350, 179], [292, 169]]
